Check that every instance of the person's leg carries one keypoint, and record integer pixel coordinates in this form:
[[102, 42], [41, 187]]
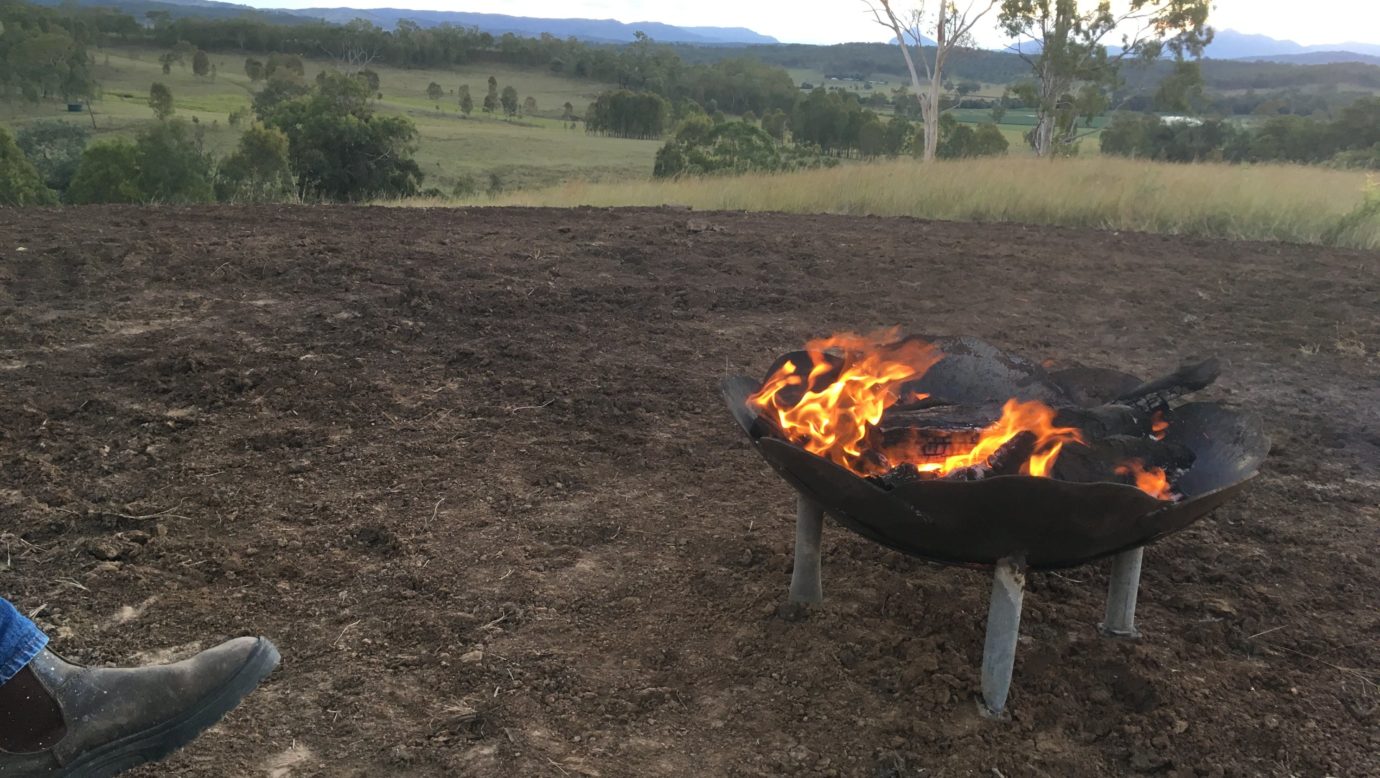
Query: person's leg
[[64, 720], [30, 719], [20, 641]]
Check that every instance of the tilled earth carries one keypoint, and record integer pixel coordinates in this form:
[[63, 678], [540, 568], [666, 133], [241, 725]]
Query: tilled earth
[[470, 470]]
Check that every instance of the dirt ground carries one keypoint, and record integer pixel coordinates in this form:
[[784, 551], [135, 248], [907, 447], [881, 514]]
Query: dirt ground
[[470, 470]]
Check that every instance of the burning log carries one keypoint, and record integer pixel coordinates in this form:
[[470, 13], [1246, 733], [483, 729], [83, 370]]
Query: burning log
[[1100, 458], [1008, 459]]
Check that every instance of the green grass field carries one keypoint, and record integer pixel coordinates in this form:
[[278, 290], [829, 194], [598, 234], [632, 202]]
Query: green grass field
[[535, 151]]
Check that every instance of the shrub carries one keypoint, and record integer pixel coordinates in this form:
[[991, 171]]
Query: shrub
[[107, 174], [258, 170], [20, 183], [54, 147]]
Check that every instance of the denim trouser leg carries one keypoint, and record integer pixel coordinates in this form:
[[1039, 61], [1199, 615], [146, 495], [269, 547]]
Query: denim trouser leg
[[20, 641]]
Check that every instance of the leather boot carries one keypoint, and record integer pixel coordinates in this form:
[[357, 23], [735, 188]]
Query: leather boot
[[115, 719]]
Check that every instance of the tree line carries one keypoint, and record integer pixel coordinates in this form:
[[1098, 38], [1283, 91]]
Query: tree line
[[43, 56], [1352, 140], [823, 127]]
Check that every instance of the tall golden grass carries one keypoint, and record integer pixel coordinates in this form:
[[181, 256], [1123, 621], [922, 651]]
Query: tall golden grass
[[1265, 202]]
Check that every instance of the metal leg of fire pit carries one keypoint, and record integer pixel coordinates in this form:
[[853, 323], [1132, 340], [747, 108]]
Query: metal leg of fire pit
[[809, 525], [1003, 629], [1120, 621]]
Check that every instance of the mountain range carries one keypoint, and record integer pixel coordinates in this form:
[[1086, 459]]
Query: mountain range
[[596, 30], [1227, 44], [1230, 44]]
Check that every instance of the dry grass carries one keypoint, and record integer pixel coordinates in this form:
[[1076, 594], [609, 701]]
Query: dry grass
[[1266, 202]]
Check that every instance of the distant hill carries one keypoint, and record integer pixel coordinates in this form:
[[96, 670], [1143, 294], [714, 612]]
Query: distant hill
[[1318, 58], [598, 30], [592, 30], [207, 9], [1230, 44]]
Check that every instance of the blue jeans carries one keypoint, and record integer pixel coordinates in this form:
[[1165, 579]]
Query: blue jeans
[[20, 641]]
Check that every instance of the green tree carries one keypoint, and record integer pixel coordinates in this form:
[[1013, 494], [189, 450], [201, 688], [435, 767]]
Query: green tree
[[341, 149], [568, 113], [958, 141], [491, 102], [898, 134], [183, 53], [161, 101], [20, 183], [1072, 68], [509, 101], [952, 28], [434, 91], [44, 61], [254, 69], [701, 147], [627, 114], [466, 102], [774, 122], [201, 63], [107, 174], [872, 137], [173, 168], [999, 107], [284, 62], [529, 106], [370, 79], [282, 86], [258, 171], [54, 147]]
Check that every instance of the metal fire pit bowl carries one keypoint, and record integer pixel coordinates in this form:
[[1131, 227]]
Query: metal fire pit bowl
[[1014, 523]]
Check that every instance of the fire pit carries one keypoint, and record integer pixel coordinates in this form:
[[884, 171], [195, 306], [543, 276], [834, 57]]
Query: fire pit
[[956, 452]]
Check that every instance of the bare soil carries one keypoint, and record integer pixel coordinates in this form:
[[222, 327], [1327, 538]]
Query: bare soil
[[470, 470]]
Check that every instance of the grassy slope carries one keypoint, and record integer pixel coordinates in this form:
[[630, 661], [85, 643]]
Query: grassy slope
[[536, 151], [1266, 202]]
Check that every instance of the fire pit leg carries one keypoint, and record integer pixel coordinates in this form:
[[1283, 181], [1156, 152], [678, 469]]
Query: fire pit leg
[[1003, 629], [1120, 621], [809, 525]]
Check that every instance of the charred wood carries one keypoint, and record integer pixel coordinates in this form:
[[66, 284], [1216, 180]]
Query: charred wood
[[1160, 392], [1100, 458]]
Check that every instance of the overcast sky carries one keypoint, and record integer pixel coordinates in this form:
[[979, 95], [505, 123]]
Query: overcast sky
[[835, 21]]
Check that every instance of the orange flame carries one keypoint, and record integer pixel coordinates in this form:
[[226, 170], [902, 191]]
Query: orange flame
[[1158, 425], [1016, 417], [834, 420], [1151, 480]]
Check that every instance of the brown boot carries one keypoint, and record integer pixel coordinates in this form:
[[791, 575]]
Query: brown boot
[[109, 720]]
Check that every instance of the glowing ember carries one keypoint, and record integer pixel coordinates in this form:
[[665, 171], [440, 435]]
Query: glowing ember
[[832, 406], [1151, 480], [1158, 425]]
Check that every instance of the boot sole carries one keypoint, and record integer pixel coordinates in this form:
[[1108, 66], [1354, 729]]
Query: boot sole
[[157, 743]]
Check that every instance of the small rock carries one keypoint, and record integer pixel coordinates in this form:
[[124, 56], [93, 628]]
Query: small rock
[[1219, 607], [472, 657], [108, 550], [1143, 761], [104, 568]]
